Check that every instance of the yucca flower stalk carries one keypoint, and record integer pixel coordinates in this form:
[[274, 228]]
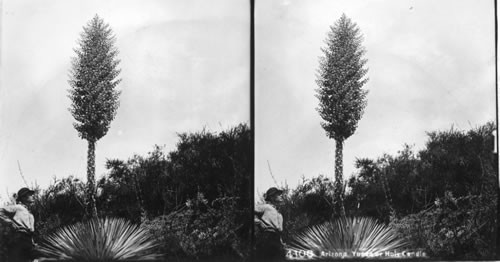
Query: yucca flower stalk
[[108, 239], [347, 237]]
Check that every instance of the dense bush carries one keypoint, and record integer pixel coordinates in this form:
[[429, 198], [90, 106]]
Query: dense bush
[[6, 236], [61, 204], [218, 165], [459, 171], [196, 199], [204, 229], [442, 198], [311, 202], [462, 227], [456, 161]]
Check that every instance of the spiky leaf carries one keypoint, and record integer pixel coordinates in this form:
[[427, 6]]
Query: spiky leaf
[[108, 239], [348, 236]]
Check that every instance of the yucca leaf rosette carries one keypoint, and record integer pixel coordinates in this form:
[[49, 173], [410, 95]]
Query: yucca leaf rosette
[[345, 238], [108, 239]]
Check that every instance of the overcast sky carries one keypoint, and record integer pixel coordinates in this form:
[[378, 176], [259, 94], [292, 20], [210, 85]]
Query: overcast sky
[[185, 66], [431, 66]]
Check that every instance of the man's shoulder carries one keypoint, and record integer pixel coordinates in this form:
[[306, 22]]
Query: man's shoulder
[[264, 207], [13, 208]]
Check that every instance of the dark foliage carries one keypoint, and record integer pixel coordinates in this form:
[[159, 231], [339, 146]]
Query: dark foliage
[[459, 162], [61, 204], [204, 229], [459, 175], [312, 202], [216, 165], [454, 227], [195, 200], [442, 199]]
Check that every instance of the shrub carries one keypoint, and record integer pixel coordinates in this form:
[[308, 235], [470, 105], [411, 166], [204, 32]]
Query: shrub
[[106, 239], [311, 202], [6, 235], [454, 227], [346, 236], [203, 229], [61, 204]]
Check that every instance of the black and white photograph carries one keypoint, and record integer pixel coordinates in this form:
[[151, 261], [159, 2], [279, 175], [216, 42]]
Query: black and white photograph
[[375, 127], [125, 130], [249, 130]]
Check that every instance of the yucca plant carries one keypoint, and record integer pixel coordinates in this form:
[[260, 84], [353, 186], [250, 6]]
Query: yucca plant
[[347, 237], [108, 239]]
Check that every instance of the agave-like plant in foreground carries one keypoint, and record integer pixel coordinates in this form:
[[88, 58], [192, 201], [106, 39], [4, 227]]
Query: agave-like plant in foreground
[[346, 237], [108, 239]]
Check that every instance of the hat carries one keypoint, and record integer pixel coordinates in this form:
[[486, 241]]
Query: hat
[[273, 192], [24, 192]]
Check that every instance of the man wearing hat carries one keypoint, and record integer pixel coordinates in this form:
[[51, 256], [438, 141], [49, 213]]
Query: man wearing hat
[[269, 226], [20, 219]]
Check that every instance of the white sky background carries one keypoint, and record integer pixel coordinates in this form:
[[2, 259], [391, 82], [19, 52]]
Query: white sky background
[[185, 66], [431, 65]]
